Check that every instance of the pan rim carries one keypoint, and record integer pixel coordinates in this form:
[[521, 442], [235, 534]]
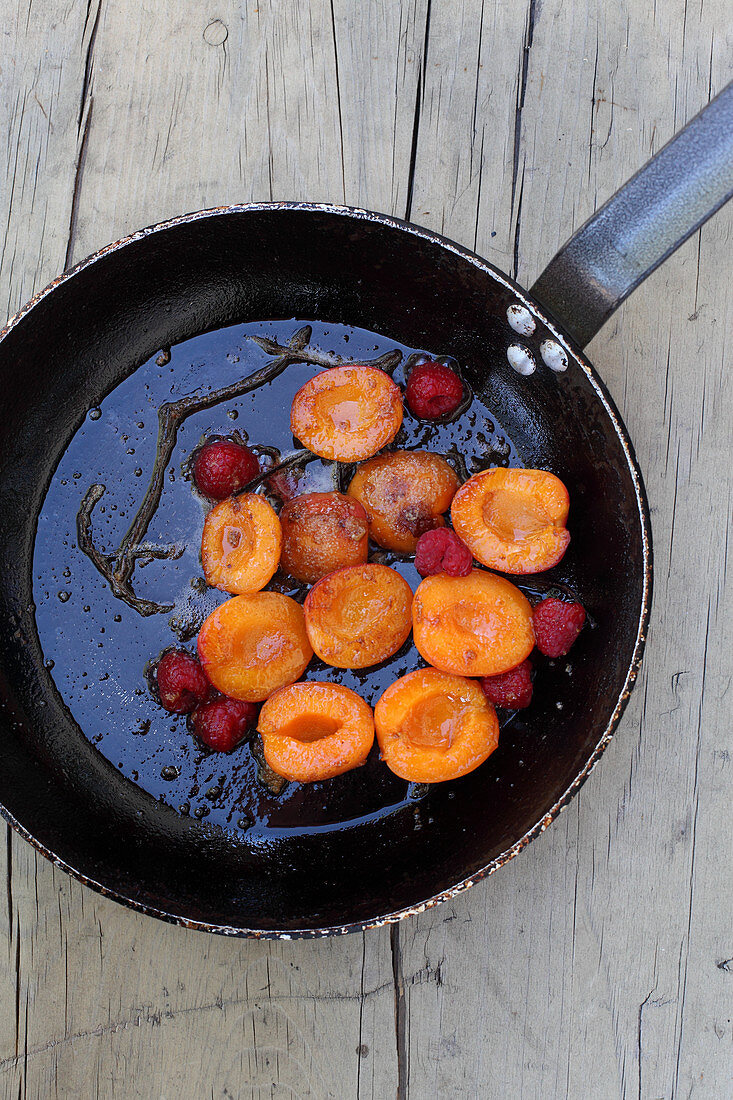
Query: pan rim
[[642, 505]]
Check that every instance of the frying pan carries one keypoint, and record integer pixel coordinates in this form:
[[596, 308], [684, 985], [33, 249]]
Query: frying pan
[[79, 338]]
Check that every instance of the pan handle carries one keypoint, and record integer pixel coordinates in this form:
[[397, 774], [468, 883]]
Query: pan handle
[[642, 224]]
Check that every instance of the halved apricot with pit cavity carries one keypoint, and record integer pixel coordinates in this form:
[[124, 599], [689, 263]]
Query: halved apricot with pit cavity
[[347, 413], [404, 494], [313, 731], [513, 520], [432, 726], [479, 625], [240, 546], [358, 616], [322, 532], [254, 644]]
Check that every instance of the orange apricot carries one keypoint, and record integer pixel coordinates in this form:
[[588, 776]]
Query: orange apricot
[[479, 625], [513, 520], [254, 644], [322, 532], [432, 726], [358, 616], [312, 731], [347, 413], [240, 546], [404, 494]]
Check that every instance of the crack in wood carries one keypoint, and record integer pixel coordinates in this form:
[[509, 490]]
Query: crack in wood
[[84, 121], [9, 878], [521, 96], [361, 1018], [419, 91], [400, 1014]]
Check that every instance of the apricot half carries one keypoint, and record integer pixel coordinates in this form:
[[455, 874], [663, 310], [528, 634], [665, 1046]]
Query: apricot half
[[322, 532], [358, 616], [404, 494], [479, 625], [513, 520], [240, 546], [312, 731], [254, 644], [432, 726], [347, 413]]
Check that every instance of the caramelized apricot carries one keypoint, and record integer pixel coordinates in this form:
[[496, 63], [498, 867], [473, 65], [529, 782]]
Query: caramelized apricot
[[479, 625], [240, 546], [513, 520], [312, 731], [347, 413], [322, 532], [358, 616], [254, 644], [432, 726], [404, 494]]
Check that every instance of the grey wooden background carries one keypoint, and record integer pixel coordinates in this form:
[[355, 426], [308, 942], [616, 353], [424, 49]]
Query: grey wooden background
[[599, 964]]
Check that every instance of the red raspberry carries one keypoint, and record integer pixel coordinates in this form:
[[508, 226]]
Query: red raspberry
[[288, 483], [511, 690], [433, 390], [222, 723], [441, 551], [182, 682], [222, 467], [556, 625]]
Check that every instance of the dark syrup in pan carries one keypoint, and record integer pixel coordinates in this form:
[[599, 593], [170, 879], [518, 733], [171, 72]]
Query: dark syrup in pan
[[97, 647]]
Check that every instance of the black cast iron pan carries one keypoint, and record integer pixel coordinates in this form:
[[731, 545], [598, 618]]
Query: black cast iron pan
[[86, 333]]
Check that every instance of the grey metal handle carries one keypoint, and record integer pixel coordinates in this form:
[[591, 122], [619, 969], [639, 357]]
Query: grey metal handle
[[642, 224]]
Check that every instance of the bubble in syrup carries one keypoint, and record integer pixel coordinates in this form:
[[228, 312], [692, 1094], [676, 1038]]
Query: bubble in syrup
[[94, 414], [64, 595], [164, 358], [232, 414], [170, 772]]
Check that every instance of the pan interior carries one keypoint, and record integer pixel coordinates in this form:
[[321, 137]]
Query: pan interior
[[77, 614], [364, 845]]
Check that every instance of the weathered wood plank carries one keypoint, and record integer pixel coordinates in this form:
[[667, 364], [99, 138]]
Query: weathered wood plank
[[597, 964], [575, 972], [42, 67]]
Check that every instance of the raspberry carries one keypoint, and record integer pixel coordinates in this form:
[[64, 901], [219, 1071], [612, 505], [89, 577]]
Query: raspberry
[[222, 723], [556, 625], [285, 484], [433, 390], [182, 682], [222, 467], [441, 551], [511, 690]]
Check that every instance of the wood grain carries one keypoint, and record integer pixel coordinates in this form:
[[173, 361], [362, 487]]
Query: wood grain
[[597, 964]]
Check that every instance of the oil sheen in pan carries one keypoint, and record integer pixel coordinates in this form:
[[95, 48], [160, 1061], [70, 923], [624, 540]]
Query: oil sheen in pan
[[97, 647]]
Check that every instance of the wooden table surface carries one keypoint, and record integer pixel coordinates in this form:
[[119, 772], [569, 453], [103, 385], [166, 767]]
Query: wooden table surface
[[599, 963]]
